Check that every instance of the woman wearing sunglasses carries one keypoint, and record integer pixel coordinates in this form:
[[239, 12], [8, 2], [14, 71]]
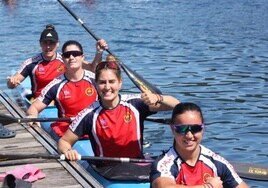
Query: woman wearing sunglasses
[[115, 123], [47, 65], [72, 91], [43, 67], [187, 163]]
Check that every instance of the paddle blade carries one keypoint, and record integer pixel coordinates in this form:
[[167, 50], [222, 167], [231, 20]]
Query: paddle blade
[[134, 77], [6, 156], [251, 171], [5, 119], [139, 81], [159, 120]]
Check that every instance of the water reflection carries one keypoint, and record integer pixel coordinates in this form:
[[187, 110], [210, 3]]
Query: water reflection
[[10, 3], [213, 53]]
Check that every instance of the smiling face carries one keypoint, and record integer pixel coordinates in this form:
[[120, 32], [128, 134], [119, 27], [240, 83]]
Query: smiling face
[[189, 141], [108, 85]]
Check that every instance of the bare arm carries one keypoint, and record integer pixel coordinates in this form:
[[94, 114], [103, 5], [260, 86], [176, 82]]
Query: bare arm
[[65, 145], [36, 107], [92, 66], [166, 102], [101, 45], [158, 102], [242, 185], [14, 81]]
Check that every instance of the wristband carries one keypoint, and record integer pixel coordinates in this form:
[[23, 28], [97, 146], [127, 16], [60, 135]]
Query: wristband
[[208, 185], [159, 99]]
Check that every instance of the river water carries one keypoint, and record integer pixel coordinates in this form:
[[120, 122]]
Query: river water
[[212, 52]]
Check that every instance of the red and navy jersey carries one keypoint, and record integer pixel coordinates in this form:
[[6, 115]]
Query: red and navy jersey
[[209, 164], [70, 97], [41, 72], [114, 132]]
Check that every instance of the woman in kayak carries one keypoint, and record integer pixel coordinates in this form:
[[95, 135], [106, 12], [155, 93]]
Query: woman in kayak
[[72, 91], [115, 123], [187, 163], [43, 67], [47, 65]]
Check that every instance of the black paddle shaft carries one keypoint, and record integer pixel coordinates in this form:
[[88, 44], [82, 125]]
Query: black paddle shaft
[[245, 170], [138, 80], [5, 157], [5, 119]]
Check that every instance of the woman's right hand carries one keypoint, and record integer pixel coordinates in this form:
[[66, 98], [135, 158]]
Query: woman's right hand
[[30, 116], [33, 123], [12, 82], [72, 155]]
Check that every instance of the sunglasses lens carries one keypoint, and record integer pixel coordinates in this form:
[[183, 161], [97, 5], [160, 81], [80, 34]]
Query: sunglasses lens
[[73, 53], [183, 129], [196, 128]]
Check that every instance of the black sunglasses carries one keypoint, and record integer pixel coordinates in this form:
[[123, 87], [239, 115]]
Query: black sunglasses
[[73, 53], [183, 129]]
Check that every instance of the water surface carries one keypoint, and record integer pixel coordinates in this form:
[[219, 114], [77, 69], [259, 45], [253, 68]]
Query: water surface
[[211, 52]]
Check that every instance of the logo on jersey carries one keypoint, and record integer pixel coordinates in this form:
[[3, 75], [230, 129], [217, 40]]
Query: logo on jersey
[[41, 70], [66, 94], [205, 177], [60, 68], [128, 117], [165, 163], [89, 91], [103, 124]]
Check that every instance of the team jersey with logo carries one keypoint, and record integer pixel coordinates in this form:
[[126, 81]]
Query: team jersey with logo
[[41, 72], [114, 132], [70, 97], [209, 164]]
